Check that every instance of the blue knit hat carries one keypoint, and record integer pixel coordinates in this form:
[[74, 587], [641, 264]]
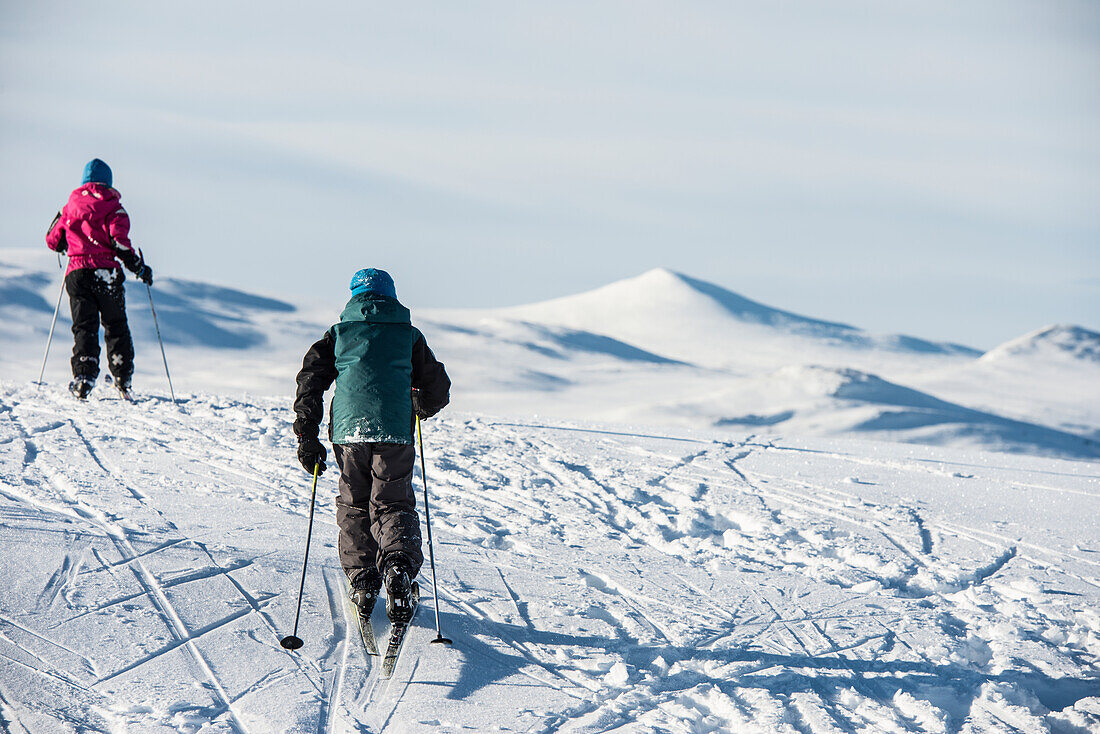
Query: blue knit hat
[[97, 172], [372, 280]]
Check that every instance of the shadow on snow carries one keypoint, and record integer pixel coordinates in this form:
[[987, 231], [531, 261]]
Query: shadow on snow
[[951, 687]]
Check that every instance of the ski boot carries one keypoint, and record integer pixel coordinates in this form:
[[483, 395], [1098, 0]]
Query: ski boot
[[400, 591], [402, 597], [80, 387], [364, 585], [122, 384]]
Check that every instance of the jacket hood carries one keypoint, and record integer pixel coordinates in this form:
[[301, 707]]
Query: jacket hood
[[376, 309], [94, 197]]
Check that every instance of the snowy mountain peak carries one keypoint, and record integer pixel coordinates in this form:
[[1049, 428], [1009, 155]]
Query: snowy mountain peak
[[683, 317], [743, 308], [657, 277], [1058, 341], [663, 296]]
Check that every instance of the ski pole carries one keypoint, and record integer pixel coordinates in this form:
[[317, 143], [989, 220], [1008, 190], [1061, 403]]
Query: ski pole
[[439, 638], [162, 356], [149, 290], [50, 338], [292, 641]]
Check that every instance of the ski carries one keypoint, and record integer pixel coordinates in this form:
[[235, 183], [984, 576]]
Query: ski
[[397, 635], [362, 620]]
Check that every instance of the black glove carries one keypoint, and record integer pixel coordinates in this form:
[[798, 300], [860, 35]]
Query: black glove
[[145, 274], [311, 453], [420, 413], [63, 245]]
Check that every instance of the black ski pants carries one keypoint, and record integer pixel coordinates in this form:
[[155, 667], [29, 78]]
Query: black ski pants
[[376, 508], [94, 295]]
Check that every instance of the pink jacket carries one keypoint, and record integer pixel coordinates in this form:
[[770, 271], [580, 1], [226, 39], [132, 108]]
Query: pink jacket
[[95, 229]]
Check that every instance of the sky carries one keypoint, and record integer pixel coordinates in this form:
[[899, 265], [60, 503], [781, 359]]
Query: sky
[[929, 168]]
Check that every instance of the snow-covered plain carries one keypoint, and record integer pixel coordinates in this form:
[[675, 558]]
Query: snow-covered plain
[[592, 580], [656, 509]]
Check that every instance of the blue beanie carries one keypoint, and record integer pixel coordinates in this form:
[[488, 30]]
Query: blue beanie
[[97, 172], [372, 280]]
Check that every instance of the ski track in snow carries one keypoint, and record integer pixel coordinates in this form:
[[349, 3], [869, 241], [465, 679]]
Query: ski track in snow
[[593, 581]]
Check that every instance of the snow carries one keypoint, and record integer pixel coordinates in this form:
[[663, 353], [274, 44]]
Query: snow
[[658, 507], [593, 578], [660, 349], [1061, 341]]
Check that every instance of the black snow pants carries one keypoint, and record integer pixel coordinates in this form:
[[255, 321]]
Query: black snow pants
[[376, 509], [96, 294]]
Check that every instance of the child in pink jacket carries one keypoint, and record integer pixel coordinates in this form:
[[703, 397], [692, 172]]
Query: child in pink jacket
[[94, 231]]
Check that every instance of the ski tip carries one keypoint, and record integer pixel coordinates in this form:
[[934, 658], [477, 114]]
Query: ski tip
[[290, 642]]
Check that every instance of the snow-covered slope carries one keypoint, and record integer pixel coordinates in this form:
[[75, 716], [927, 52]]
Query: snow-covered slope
[[1050, 376], [1060, 343], [702, 323], [659, 350], [696, 562], [666, 349], [216, 338], [593, 579], [839, 401]]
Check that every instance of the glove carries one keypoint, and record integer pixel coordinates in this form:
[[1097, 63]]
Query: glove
[[311, 453], [145, 274], [420, 412], [63, 245]]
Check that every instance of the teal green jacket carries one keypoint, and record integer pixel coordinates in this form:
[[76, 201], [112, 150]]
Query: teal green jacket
[[376, 357]]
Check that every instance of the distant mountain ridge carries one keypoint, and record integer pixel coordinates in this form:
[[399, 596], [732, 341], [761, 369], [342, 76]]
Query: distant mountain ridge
[[190, 313], [201, 314], [659, 349], [670, 301], [23, 289], [752, 311], [1057, 341]]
